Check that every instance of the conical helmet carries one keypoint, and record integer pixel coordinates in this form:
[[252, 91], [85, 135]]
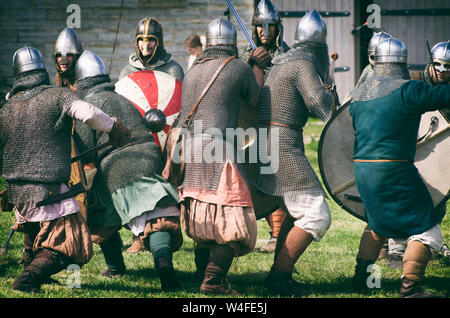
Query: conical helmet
[[89, 65], [441, 56], [149, 29], [311, 28], [265, 14], [221, 32], [68, 43], [391, 50], [374, 41], [27, 59]]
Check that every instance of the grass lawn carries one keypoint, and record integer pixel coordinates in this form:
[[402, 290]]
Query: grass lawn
[[325, 269]]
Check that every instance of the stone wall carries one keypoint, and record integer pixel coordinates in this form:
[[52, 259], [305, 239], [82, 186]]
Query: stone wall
[[39, 22]]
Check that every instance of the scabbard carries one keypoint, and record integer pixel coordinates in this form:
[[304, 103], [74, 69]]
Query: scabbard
[[73, 192]]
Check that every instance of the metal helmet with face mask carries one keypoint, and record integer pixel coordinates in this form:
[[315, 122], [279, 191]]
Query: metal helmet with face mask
[[89, 65], [66, 44], [27, 59], [391, 50], [149, 29], [441, 56], [221, 32], [374, 41], [311, 28], [266, 14]]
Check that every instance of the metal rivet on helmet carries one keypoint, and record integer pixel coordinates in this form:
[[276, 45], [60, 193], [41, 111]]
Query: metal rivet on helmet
[[27, 59], [311, 28], [221, 32]]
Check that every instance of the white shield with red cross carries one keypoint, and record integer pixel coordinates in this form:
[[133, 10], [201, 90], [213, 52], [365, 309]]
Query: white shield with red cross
[[153, 89]]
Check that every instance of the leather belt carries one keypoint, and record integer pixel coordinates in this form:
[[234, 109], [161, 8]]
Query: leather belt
[[272, 123], [381, 160]]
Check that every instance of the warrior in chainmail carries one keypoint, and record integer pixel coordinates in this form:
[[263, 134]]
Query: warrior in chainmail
[[368, 70], [216, 202], [386, 113], [150, 53], [129, 184], [68, 49], [294, 88], [267, 31], [35, 131]]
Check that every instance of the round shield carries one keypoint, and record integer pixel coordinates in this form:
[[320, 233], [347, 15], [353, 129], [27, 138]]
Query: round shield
[[335, 156], [153, 89]]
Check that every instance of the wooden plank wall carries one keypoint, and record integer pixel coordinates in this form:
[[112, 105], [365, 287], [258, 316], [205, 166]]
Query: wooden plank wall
[[339, 35]]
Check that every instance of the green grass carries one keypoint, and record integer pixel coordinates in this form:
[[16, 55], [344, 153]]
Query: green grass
[[325, 269]]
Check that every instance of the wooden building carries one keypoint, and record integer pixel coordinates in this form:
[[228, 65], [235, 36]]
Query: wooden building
[[38, 23]]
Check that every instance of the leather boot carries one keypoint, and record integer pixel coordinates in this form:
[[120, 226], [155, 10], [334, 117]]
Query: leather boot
[[359, 280], [415, 260], [201, 258], [370, 245], [219, 263], [166, 273], [282, 283], [45, 264], [217, 284], [137, 245]]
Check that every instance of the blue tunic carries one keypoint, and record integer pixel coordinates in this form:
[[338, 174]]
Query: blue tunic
[[395, 197]]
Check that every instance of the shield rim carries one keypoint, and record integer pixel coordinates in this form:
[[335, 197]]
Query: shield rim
[[321, 168]]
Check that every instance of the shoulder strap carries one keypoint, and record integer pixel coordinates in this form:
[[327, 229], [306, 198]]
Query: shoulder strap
[[194, 109]]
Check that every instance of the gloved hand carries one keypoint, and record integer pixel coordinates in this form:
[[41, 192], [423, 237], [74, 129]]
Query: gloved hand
[[119, 134], [261, 57]]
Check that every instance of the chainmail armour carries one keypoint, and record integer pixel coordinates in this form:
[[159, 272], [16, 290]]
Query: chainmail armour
[[35, 135], [124, 165], [292, 90], [218, 109], [387, 78], [165, 64], [248, 116]]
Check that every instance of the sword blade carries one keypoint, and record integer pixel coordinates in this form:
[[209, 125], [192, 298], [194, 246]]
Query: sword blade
[[238, 19]]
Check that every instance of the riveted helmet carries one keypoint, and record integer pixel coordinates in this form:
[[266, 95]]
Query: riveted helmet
[[391, 50], [27, 59], [441, 56], [221, 32], [374, 41]]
